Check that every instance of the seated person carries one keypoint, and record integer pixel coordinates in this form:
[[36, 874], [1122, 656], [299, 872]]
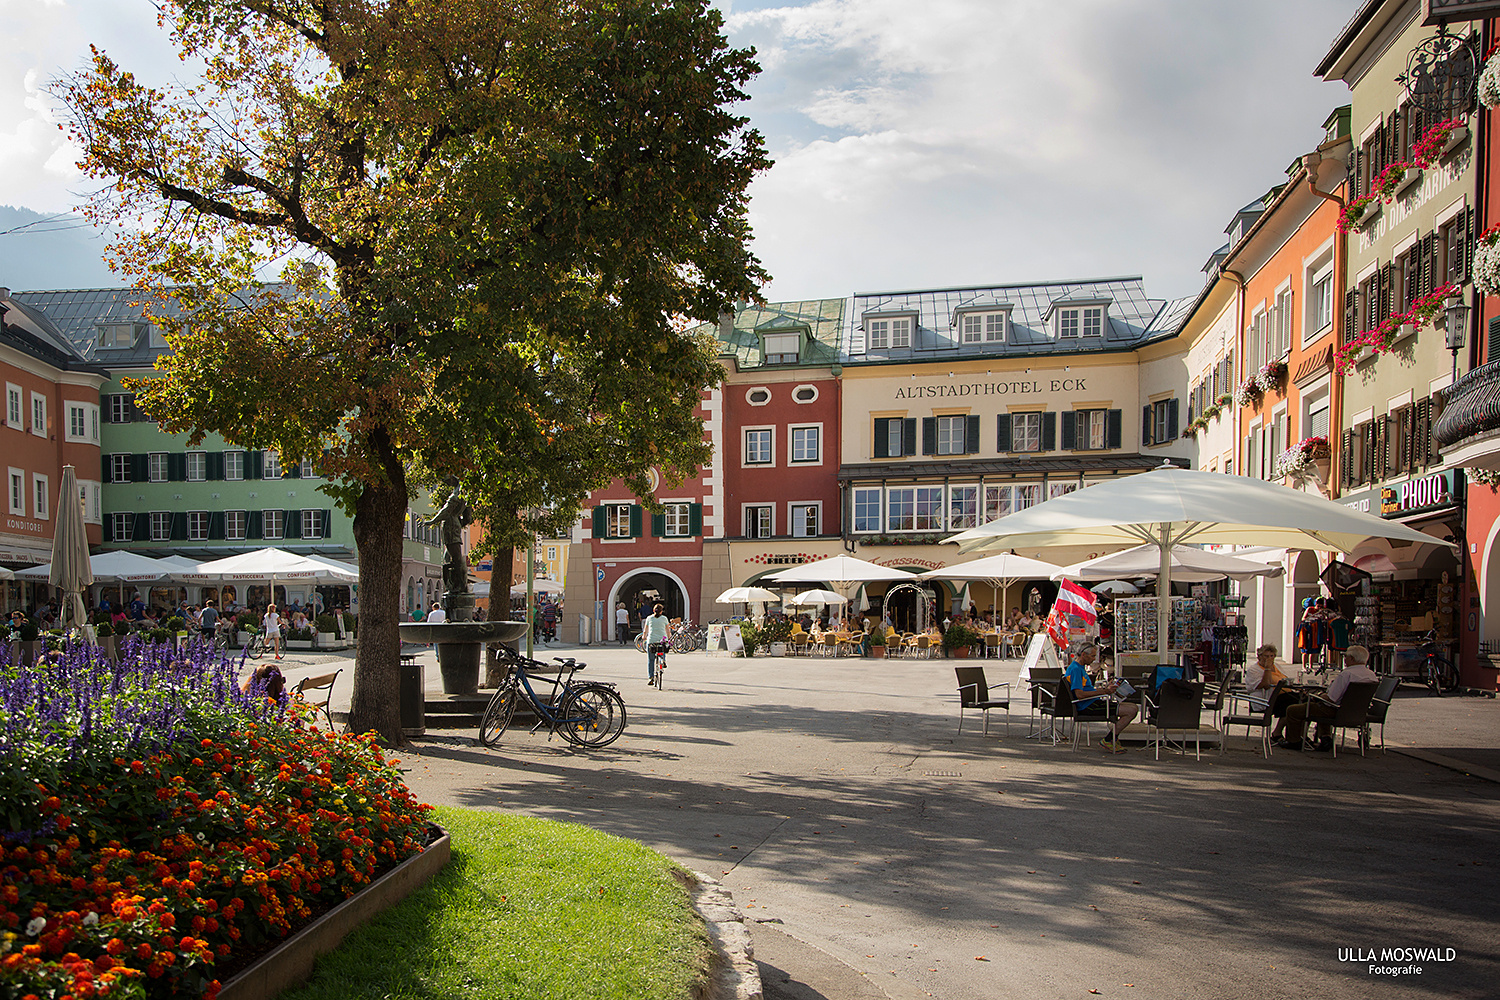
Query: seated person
[[1321, 709], [1082, 685], [1261, 678]]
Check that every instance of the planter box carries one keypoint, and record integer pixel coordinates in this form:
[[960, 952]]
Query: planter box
[[328, 640], [877, 652], [242, 639], [959, 652], [298, 643], [778, 649], [1412, 176], [1371, 213], [1456, 138], [292, 961]]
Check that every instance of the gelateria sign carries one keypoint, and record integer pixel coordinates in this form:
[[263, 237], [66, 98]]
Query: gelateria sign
[[1025, 386], [1415, 496]]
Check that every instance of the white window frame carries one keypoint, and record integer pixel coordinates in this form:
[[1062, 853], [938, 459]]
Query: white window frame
[[1027, 495], [161, 526], [975, 500], [765, 517], [306, 471], [155, 460], [983, 327], [750, 395], [1256, 340], [1319, 271], [865, 494], [901, 330], [1285, 304], [931, 508], [888, 333], [266, 531], [197, 525], [122, 526], [15, 406], [617, 521], [796, 518], [236, 459], [791, 440], [1033, 419], [119, 468], [676, 519], [1315, 400], [1056, 488], [770, 450], [898, 501], [16, 491], [110, 335], [771, 341], [1255, 461], [312, 523], [1083, 436], [798, 390], [200, 458], [90, 495], [946, 425], [158, 337], [235, 524], [270, 465], [879, 335], [1069, 323], [39, 414], [78, 422], [999, 500], [1093, 321]]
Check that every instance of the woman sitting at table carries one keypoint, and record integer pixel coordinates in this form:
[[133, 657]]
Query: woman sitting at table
[[1082, 684]]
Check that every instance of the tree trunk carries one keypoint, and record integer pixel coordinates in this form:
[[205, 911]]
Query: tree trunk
[[379, 527], [499, 609]]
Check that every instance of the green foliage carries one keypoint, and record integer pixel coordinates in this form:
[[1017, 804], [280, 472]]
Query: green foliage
[[778, 628], [752, 635], [104, 629], [959, 634], [175, 624], [29, 631], [877, 637], [326, 623]]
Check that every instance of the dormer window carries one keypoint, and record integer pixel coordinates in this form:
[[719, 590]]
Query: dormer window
[[889, 332], [977, 328], [781, 348], [1076, 321], [117, 335]]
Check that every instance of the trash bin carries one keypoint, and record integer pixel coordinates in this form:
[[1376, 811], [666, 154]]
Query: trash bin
[[413, 698]]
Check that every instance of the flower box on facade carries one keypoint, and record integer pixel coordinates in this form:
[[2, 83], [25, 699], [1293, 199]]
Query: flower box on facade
[[1456, 138], [1407, 181], [1371, 213], [292, 961]]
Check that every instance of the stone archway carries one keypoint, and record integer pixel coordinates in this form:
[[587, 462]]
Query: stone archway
[[667, 586]]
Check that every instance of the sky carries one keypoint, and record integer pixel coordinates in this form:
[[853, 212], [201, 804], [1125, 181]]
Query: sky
[[918, 144]]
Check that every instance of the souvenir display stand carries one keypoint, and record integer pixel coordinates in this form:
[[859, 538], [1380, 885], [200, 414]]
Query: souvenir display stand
[[1135, 629]]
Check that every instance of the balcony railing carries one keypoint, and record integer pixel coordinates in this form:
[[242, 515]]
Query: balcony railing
[[1471, 406]]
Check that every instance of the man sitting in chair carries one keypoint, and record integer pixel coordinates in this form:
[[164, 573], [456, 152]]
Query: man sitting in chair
[[1321, 709], [1083, 689]]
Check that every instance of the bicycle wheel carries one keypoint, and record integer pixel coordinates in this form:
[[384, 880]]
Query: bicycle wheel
[[661, 669], [1434, 675], [640, 644], [592, 716], [256, 647], [497, 715]]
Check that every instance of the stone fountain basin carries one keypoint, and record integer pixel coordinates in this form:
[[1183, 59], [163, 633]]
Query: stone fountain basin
[[481, 632]]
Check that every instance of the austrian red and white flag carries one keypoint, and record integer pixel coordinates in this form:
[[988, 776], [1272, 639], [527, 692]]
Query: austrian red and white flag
[[1071, 600]]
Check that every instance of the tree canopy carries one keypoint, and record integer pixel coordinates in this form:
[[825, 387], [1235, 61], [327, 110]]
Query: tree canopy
[[491, 221]]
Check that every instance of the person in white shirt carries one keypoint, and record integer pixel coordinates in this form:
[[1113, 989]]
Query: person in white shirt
[[270, 625], [622, 623], [436, 614], [655, 629], [1320, 710]]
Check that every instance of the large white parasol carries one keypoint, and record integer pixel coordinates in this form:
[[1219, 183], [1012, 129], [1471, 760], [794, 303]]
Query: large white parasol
[[1190, 564]]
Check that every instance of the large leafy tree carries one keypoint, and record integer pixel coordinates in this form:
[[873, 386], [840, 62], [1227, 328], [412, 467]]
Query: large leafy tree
[[490, 218]]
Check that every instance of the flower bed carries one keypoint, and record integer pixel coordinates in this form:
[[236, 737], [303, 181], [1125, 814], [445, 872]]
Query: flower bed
[[165, 828]]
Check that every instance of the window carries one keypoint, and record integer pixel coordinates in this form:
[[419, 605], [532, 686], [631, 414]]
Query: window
[[1283, 331], [90, 496], [1159, 422], [973, 328], [38, 414], [1093, 322], [1252, 452], [805, 444], [1093, 429], [122, 408], [273, 524], [197, 525], [901, 510], [1315, 418], [156, 467], [1320, 302], [1084, 430], [781, 348], [312, 524], [1056, 489], [305, 469], [963, 507], [1452, 238], [1025, 432], [758, 396], [890, 333], [197, 466], [617, 520], [804, 520], [1275, 443], [1255, 341], [952, 435], [675, 519], [1028, 495], [758, 521], [270, 465], [880, 333], [1067, 323], [161, 526], [866, 510], [121, 526], [17, 492], [895, 437], [40, 507], [805, 393], [901, 332], [988, 327], [119, 468], [234, 525], [998, 501], [13, 404], [234, 465], [78, 427], [117, 335], [758, 446]]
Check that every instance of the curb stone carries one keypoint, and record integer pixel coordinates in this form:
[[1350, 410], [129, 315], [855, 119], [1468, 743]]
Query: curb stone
[[735, 975]]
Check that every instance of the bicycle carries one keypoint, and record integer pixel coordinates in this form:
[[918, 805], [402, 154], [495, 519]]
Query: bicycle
[[255, 646], [590, 714], [1438, 671], [658, 663]]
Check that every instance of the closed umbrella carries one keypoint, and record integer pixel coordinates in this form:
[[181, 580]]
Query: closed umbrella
[[70, 571], [1171, 506]]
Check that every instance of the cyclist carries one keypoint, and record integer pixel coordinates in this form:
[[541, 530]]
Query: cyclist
[[654, 629]]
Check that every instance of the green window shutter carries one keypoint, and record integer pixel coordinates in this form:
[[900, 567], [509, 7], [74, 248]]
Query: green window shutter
[[109, 529], [252, 524], [215, 465], [635, 520], [104, 469], [292, 524], [1146, 425], [179, 526], [140, 468], [882, 437], [909, 436], [599, 522], [1069, 430], [658, 525], [176, 467], [142, 531], [695, 519], [929, 435], [216, 525], [971, 436], [1049, 431], [327, 522], [255, 463], [1002, 433], [293, 470], [1172, 429], [1113, 428]]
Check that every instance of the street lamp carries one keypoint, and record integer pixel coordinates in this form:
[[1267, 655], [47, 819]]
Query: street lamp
[[1457, 326]]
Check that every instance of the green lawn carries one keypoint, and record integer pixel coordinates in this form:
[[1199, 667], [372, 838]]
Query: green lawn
[[527, 910]]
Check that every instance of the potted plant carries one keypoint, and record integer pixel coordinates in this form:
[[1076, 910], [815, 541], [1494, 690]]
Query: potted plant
[[105, 633], [876, 643], [328, 629], [299, 638], [752, 636], [776, 633], [959, 638], [177, 626], [245, 626]]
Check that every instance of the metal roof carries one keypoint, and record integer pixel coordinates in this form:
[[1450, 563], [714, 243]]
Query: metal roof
[[32, 331], [823, 319], [79, 313]]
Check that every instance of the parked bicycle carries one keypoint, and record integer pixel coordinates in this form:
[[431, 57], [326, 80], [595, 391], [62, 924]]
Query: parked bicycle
[[589, 714], [1437, 671]]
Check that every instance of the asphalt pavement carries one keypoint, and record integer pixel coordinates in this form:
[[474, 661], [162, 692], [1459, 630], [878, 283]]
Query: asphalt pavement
[[886, 855]]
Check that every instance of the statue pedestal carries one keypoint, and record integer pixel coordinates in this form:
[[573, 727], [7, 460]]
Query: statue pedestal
[[458, 663], [459, 645]]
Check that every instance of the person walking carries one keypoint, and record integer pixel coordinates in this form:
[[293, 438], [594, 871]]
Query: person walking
[[622, 623], [270, 625], [654, 628]]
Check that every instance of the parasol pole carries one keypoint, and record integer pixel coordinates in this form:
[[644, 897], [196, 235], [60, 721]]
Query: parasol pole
[[1164, 594]]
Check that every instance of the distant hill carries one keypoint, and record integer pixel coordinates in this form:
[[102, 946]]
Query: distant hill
[[39, 251]]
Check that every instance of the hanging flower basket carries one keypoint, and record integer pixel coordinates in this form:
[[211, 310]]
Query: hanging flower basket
[[1486, 269], [1301, 459], [1225, 398], [1489, 82], [1270, 375], [1248, 393]]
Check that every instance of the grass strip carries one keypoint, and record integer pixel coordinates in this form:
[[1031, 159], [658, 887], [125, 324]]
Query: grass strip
[[528, 909]]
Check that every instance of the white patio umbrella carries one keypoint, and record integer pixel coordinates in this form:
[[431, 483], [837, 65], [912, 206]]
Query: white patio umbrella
[[844, 573], [1171, 506], [819, 597], [119, 566], [538, 586], [1190, 564], [744, 595], [271, 564], [70, 571], [6, 574], [999, 571], [1113, 587]]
